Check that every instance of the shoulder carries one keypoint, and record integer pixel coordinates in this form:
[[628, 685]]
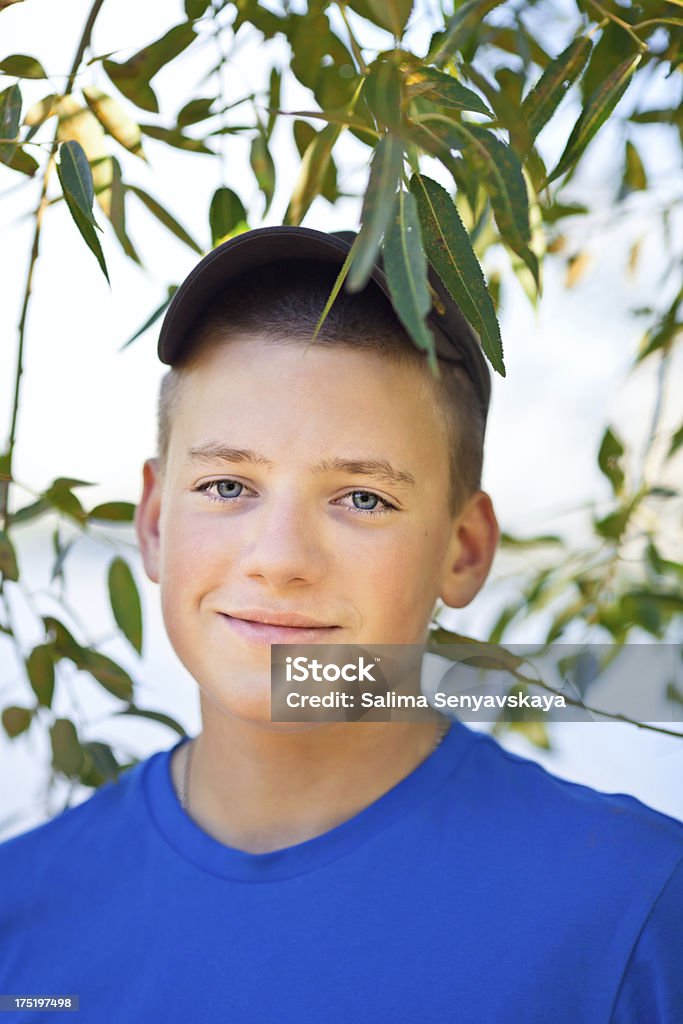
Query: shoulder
[[526, 790], [59, 847], [592, 851]]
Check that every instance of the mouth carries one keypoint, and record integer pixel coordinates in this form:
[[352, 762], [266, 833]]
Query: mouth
[[279, 628]]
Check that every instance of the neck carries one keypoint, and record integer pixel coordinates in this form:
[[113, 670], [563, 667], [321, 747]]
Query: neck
[[259, 790]]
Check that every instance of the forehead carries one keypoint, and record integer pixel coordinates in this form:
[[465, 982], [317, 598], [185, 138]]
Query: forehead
[[299, 397]]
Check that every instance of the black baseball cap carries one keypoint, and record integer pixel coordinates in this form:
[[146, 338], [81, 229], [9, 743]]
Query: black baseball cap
[[455, 340]]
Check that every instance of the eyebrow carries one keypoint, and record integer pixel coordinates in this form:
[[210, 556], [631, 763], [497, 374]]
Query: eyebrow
[[381, 469]]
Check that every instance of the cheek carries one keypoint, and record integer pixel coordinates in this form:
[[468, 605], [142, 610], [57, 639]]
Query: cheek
[[400, 587]]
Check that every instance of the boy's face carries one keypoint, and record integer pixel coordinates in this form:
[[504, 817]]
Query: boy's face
[[295, 527]]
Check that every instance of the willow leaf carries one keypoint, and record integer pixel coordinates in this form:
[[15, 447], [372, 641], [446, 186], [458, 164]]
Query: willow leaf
[[378, 208], [406, 269], [450, 252], [75, 177], [460, 28], [125, 602], [543, 100], [165, 218], [598, 108], [445, 90], [502, 177], [10, 116], [312, 173]]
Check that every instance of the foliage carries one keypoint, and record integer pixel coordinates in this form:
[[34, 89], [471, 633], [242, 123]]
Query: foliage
[[453, 136]]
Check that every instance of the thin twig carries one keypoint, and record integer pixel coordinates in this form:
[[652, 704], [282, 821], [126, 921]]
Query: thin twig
[[619, 21], [6, 482]]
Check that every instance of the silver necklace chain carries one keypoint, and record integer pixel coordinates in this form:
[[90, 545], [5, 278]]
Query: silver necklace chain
[[185, 778]]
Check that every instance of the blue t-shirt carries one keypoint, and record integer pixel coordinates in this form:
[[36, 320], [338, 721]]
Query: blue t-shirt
[[479, 890]]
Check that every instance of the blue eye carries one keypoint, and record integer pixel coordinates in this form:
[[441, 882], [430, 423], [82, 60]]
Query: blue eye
[[378, 507], [227, 488], [365, 496]]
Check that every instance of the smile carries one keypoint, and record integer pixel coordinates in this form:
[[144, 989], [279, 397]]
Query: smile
[[300, 631]]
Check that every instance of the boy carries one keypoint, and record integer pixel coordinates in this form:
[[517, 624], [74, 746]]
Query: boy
[[374, 872]]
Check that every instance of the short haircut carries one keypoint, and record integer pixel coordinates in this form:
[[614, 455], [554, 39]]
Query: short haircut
[[283, 302]]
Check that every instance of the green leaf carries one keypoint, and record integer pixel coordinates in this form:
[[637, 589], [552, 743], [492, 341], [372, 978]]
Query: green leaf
[[172, 289], [32, 511], [673, 694], [196, 110], [501, 175], [460, 28], [598, 108], [196, 8], [23, 162], [40, 668], [75, 176], [378, 208], [613, 525], [227, 215], [405, 266], [125, 602], [114, 512], [664, 332], [67, 754], [635, 177], [508, 540], [16, 720], [383, 92], [63, 643], [450, 252], [10, 119], [165, 218], [8, 558], [676, 442], [274, 87], [133, 77], [112, 202], [304, 134], [100, 764], [76, 123], [445, 90], [174, 137], [137, 90], [611, 450], [643, 609], [110, 675], [21, 66], [67, 483], [154, 716], [61, 552], [543, 100], [390, 16], [264, 169], [312, 173], [60, 496], [115, 120]]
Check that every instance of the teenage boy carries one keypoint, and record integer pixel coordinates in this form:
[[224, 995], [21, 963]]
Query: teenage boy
[[365, 872]]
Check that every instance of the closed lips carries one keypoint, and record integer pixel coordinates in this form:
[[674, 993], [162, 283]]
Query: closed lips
[[291, 619]]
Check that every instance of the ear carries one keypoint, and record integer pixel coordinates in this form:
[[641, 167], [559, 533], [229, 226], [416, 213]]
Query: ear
[[470, 554], [147, 518]]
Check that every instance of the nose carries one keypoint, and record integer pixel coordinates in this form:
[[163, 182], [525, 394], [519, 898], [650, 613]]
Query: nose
[[285, 546]]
